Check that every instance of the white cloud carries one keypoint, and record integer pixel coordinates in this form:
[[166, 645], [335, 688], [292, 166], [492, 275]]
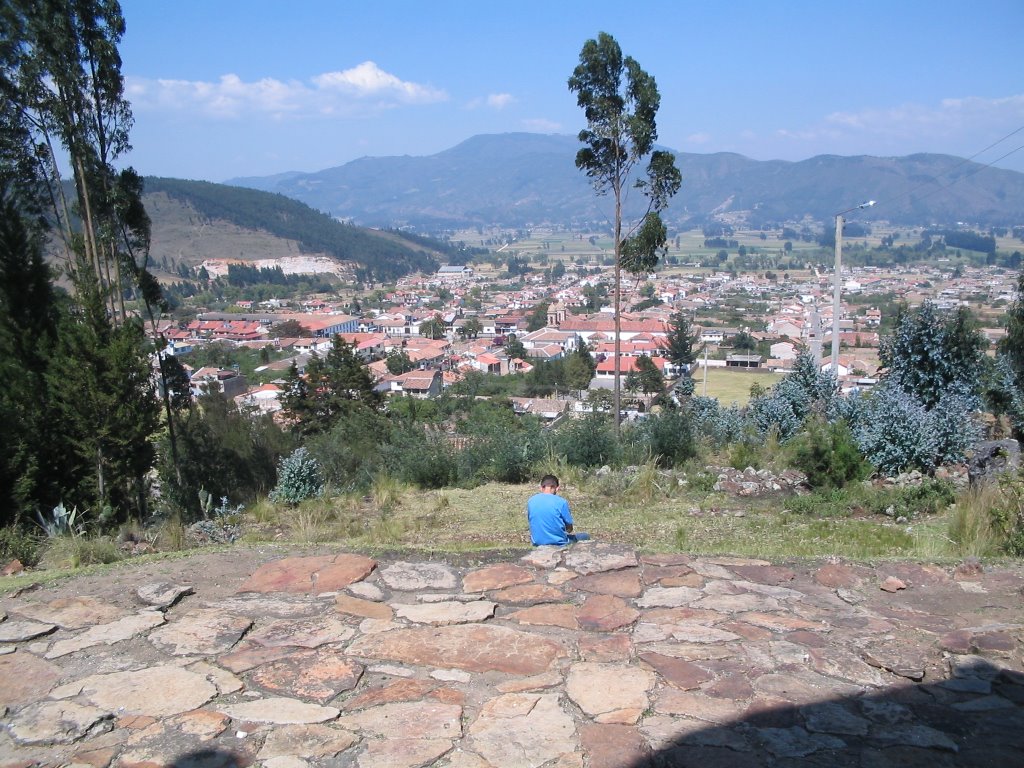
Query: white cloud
[[365, 88], [698, 138], [499, 100], [960, 126], [541, 125]]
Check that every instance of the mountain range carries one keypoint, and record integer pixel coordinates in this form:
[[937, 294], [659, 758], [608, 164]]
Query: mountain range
[[517, 180]]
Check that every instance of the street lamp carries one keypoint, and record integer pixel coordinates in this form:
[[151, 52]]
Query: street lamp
[[838, 282]]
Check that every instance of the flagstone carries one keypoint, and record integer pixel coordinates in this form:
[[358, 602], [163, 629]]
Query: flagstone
[[832, 717], [844, 664], [107, 634], [25, 678], [560, 575], [617, 647], [606, 613], [72, 612], [406, 720], [672, 701], [694, 580], [496, 577], [796, 742], [529, 594], [202, 631], [836, 575], [317, 675], [560, 615], [592, 557], [369, 609], [224, 681], [683, 615], [302, 633], [894, 658], [403, 753], [533, 683], [155, 691], [401, 690], [313, 740], [746, 631], [612, 746], [763, 573], [309, 575], [366, 591], [250, 656], [473, 647], [278, 710], [737, 603], [678, 672], [412, 577], [543, 558], [606, 689], [20, 630], [668, 597], [711, 569], [261, 606], [55, 722], [734, 687], [622, 583], [523, 730], [163, 594], [780, 622], [663, 560], [700, 634], [442, 614]]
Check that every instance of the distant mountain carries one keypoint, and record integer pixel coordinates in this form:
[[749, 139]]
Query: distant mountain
[[522, 179], [196, 220]]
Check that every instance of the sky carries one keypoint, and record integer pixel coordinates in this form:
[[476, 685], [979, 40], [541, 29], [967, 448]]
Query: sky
[[226, 88]]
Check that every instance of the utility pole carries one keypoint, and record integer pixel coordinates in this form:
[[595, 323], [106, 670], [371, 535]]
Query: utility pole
[[839, 282]]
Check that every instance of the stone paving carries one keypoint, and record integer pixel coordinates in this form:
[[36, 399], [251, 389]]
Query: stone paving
[[591, 657]]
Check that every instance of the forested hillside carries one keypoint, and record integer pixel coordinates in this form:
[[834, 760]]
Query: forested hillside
[[381, 256]]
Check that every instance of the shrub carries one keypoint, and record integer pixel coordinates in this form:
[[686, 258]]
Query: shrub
[[892, 431], [587, 442], [298, 478], [827, 454], [420, 459], [18, 544], [1008, 515], [666, 436]]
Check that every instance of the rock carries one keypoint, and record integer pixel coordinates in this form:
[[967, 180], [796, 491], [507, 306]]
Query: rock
[[623, 583], [609, 693], [403, 753], [300, 633], [892, 584], [832, 717], [366, 591], [55, 722], [310, 740], [25, 678], [796, 742], [529, 594], [309, 575], [615, 647], [355, 606], [316, 675], [12, 567], [203, 631], [155, 691], [20, 630], [472, 647], [991, 459], [682, 674], [593, 557], [764, 574], [562, 615], [969, 570], [413, 577], [280, 711], [163, 595], [73, 612], [668, 597], [407, 719], [107, 634], [523, 730], [606, 613], [612, 746], [543, 558], [495, 577], [837, 576], [441, 614]]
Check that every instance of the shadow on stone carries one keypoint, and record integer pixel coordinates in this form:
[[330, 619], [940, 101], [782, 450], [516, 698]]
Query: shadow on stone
[[972, 720], [211, 758]]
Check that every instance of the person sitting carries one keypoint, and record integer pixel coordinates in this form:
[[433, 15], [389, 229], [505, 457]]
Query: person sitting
[[549, 516]]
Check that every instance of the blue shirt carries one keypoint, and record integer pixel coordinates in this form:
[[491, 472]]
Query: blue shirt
[[548, 514]]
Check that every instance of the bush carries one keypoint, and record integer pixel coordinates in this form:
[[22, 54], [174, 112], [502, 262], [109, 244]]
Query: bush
[[1008, 515], [18, 544], [666, 436], [298, 478], [827, 454], [419, 459], [587, 442]]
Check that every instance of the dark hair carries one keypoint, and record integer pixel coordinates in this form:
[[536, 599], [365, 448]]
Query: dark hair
[[549, 481]]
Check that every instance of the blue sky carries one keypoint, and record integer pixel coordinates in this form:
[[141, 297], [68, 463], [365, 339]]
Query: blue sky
[[226, 88]]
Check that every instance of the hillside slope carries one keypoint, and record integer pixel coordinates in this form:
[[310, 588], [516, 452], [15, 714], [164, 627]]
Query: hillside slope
[[518, 179], [193, 221]]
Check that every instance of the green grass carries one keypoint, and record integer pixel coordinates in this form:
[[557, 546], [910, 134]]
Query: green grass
[[732, 385]]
